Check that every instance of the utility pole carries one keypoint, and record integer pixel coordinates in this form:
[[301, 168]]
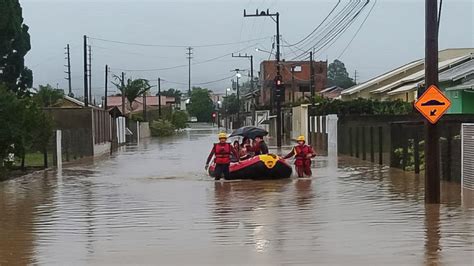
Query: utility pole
[[159, 97], [68, 72], [106, 85], [277, 57], [432, 178], [90, 73], [251, 67], [86, 90], [238, 96], [189, 57], [311, 89], [144, 107], [251, 78], [122, 81], [355, 76]]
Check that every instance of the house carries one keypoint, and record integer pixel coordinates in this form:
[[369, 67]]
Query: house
[[86, 131], [296, 79], [458, 84], [333, 92], [137, 105], [403, 82]]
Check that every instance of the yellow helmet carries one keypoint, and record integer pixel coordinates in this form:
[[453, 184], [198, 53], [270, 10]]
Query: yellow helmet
[[300, 138], [222, 135]]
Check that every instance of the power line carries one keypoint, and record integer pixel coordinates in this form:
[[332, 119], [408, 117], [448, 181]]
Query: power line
[[360, 27], [177, 46], [320, 24]]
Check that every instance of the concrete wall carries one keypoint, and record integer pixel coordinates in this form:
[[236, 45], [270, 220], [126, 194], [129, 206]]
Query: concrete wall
[[300, 121], [144, 130]]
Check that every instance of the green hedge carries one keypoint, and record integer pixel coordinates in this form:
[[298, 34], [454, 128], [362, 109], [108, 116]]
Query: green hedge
[[362, 107], [162, 128]]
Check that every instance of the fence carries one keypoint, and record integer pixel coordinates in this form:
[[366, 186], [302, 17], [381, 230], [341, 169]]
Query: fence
[[398, 141]]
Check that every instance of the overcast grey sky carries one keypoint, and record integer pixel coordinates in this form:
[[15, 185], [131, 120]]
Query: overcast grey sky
[[392, 35]]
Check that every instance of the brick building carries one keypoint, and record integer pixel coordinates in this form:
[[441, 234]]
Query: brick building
[[296, 76]]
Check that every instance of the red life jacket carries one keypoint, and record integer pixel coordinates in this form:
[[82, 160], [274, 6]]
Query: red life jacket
[[222, 153], [301, 152]]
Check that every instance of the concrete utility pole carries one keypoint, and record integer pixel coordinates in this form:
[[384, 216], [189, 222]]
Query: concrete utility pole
[[159, 97], [90, 73], [311, 89], [432, 178], [189, 57], [355, 77], [278, 87], [86, 90], [68, 72], [122, 81], [238, 75], [251, 67], [106, 85]]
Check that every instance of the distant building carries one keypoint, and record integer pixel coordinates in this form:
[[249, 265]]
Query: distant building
[[333, 92], [137, 105], [296, 78]]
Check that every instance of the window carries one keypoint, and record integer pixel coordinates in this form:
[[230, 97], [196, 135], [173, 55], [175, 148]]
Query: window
[[456, 94], [297, 68]]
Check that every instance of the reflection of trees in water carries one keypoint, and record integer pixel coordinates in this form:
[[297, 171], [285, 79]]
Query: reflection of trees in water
[[19, 202]]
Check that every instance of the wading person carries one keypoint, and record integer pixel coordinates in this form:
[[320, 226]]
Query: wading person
[[260, 147], [303, 154], [222, 152]]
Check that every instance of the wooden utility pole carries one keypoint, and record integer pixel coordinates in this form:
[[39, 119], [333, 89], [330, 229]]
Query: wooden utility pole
[[432, 175]]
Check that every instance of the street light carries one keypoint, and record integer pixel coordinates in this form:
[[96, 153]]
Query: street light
[[264, 51], [225, 109]]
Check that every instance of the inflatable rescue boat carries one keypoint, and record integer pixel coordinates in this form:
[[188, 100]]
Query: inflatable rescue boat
[[267, 166]]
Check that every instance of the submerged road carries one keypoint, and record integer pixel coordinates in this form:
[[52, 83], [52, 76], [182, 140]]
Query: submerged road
[[153, 203]]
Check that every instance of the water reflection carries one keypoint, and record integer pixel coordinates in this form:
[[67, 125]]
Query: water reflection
[[153, 203]]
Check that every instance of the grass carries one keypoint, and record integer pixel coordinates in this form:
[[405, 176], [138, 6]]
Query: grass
[[34, 159]]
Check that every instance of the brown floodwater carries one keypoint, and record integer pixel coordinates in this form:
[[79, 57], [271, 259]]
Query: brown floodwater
[[153, 203]]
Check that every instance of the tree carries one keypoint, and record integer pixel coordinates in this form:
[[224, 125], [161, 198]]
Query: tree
[[201, 105], [14, 45], [172, 93], [338, 76], [231, 104], [132, 88], [179, 119], [48, 96]]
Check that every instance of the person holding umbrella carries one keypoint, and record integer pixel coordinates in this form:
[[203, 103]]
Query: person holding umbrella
[[221, 151], [303, 154]]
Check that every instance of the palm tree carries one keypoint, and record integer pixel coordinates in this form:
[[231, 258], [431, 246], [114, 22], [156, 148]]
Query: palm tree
[[132, 88]]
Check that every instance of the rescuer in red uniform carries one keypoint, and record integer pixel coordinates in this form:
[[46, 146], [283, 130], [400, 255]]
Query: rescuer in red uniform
[[221, 151], [303, 154]]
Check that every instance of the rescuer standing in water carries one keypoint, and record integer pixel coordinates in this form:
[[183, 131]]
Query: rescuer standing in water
[[303, 154], [221, 151]]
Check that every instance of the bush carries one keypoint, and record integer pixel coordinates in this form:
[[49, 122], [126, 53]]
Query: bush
[[179, 119], [362, 106], [161, 128]]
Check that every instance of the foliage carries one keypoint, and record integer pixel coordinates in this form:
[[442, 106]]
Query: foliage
[[201, 105], [14, 45], [231, 104], [172, 93], [410, 164], [27, 126], [179, 119], [48, 96], [161, 128], [338, 76], [362, 106], [132, 88]]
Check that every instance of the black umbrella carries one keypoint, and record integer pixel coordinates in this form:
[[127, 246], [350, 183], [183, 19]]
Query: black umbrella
[[249, 132]]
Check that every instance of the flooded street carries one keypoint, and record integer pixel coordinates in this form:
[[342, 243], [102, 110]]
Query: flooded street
[[154, 204]]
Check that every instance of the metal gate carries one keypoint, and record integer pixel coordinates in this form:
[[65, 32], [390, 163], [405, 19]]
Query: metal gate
[[467, 165]]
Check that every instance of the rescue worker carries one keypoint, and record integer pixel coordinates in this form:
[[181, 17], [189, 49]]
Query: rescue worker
[[221, 151], [260, 147], [303, 154]]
